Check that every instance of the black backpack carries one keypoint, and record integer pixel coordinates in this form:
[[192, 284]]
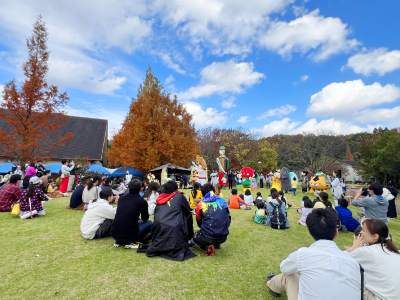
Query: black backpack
[[278, 219]]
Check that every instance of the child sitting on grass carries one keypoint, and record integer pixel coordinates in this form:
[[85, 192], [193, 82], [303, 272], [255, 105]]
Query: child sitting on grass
[[346, 216], [236, 202], [282, 197], [258, 199], [248, 198], [259, 216], [307, 207]]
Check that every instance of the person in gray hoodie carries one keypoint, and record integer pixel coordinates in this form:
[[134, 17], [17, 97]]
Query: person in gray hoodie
[[376, 206]]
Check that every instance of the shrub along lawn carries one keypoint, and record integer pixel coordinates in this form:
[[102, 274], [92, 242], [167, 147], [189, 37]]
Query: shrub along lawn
[[47, 258]]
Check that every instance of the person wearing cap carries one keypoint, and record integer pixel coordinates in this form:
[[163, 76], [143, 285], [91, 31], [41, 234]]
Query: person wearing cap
[[33, 194], [10, 194]]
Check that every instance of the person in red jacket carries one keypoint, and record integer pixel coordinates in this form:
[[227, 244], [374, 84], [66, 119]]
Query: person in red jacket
[[235, 202]]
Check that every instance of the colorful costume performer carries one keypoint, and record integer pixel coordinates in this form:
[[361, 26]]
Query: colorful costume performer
[[247, 175], [151, 177], [222, 166], [200, 169], [214, 178], [164, 175], [276, 181], [238, 179], [319, 183]]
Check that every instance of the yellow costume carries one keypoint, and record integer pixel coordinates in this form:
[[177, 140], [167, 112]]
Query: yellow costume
[[199, 195], [319, 183], [276, 179]]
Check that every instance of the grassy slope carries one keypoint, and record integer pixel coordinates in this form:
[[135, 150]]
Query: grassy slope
[[47, 258]]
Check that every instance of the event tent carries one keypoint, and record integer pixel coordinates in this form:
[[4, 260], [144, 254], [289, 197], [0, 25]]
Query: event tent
[[98, 169], [122, 172], [54, 168], [173, 168], [7, 167]]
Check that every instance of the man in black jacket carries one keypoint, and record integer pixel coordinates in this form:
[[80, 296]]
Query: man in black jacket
[[173, 225], [126, 228]]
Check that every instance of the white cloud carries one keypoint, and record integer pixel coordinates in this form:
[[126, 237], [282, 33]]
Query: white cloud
[[243, 119], [223, 77], [170, 64], [379, 115], [326, 36], [283, 110], [299, 10], [376, 61], [331, 125], [208, 117], [278, 127], [344, 99], [224, 26], [169, 79], [228, 103], [304, 77]]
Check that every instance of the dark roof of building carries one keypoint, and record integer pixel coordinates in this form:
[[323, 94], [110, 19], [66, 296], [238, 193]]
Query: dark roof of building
[[351, 163], [89, 138]]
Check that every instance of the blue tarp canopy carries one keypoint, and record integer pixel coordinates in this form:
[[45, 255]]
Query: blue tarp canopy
[[54, 168], [5, 168], [122, 172], [98, 169]]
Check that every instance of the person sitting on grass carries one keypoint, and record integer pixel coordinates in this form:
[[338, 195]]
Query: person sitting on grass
[[76, 202], [258, 199], [97, 220], [127, 229], [248, 198], [195, 196], [235, 202], [259, 216], [376, 206], [380, 258], [305, 211], [151, 195], [173, 225], [10, 194], [322, 201], [52, 190], [213, 219], [92, 190], [274, 190], [283, 199], [276, 213], [323, 261], [346, 216], [31, 199]]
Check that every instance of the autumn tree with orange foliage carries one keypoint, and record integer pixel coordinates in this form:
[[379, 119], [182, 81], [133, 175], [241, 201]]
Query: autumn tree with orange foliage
[[156, 131], [34, 111]]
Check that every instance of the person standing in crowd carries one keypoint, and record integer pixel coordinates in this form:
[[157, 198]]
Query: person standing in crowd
[[10, 194], [380, 258], [185, 181], [323, 261], [31, 171], [214, 178], [213, 219], [72, 175], [230, 179], [391, 201], [392, 213], [97, 220], [178, 178], [65, 173], [261, 180], [40, 169], [337, 191], [128, 177], [76, 201], [294, 186], [173, 225], [127, 229], [18, 171]]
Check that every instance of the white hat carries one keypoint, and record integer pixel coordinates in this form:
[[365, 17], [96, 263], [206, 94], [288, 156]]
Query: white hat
[[34, 180], [4, 179]]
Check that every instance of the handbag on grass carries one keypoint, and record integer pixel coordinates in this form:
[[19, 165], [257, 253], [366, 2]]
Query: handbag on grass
[[16, 209]]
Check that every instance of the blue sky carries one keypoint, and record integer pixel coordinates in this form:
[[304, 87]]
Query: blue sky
[[272, 66]]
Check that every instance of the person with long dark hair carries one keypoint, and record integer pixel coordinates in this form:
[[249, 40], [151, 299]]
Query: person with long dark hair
[[195, 196], [380, 258], [151, 195], [92, 190], [31, 199], [392, 212]]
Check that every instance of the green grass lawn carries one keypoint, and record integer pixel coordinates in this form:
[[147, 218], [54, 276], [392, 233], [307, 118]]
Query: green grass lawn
[[47, 258]]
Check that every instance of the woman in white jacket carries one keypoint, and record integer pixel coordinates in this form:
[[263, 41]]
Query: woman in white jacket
[[380, 258], [92, 190], [337, 190], [151, 195], [97, 220]]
